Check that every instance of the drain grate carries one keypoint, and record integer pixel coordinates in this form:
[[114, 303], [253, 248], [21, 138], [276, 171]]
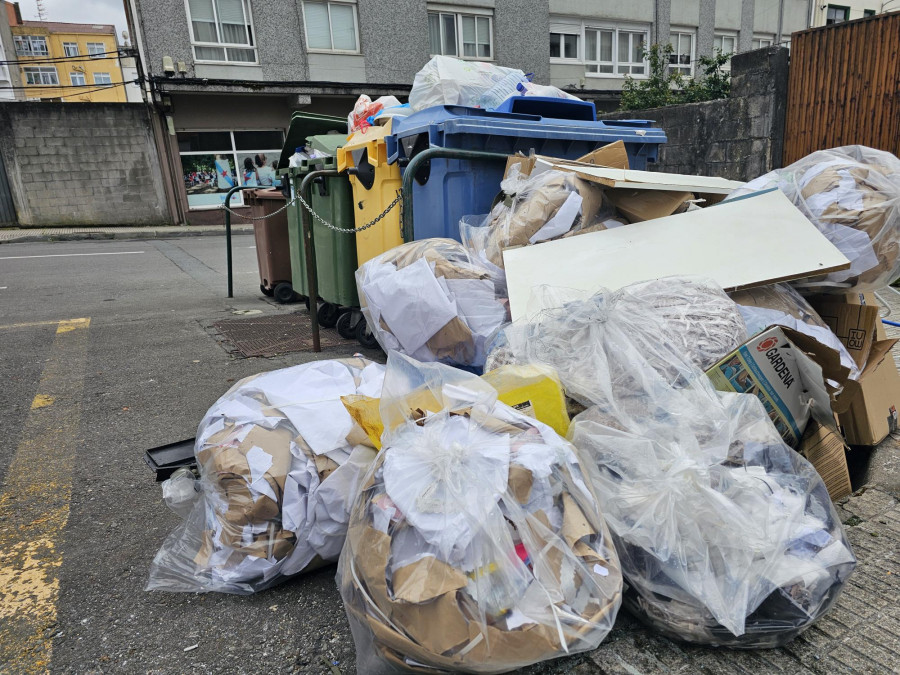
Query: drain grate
[[274, 335]]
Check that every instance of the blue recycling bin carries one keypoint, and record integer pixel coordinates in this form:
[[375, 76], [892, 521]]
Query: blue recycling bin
[[445, 190]]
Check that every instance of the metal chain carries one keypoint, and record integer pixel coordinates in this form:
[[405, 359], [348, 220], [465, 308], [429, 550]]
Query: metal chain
[[351, 230], [344, 230]]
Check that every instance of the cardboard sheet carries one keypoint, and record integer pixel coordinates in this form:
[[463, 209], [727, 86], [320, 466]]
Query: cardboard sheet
[[759, 240], [645, 180]]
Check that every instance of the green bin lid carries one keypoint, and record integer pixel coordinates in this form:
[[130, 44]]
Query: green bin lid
[[304, 125], [327, 143]]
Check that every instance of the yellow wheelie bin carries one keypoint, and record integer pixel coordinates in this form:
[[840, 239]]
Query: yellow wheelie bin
[[375, 184]]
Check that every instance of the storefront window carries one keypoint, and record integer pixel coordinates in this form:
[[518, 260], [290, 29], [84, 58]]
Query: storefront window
[[213, 162]]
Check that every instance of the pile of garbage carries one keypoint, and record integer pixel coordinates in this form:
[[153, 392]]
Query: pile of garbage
[[537, 454]]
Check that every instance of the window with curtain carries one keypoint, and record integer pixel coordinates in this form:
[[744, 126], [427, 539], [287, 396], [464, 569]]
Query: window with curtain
[[70, 48], [96, 49], [615, 51], [41, 75], [31, 45], [330, 26], [468, 36], [222, 30], [682, 57]]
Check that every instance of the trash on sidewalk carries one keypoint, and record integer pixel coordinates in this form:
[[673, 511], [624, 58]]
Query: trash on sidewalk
[[872, 413], [431, 300], [167, 459], [280, 461], [532, 390], [825, 449], [445, 80], [726, 535], [852, 195], [731, 243], [476, 543], [365, 108]]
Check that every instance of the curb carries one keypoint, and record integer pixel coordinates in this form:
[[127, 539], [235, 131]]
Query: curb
[[121, 236]]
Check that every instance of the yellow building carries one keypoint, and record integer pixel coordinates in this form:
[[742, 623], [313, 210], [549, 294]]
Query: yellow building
[[68, 61]]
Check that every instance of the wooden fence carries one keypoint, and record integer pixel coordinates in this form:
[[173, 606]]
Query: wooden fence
[[844, 87]]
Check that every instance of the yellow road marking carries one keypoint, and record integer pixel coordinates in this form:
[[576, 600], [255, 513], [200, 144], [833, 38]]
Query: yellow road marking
[[32, 324], [41, 401], [34, 507]]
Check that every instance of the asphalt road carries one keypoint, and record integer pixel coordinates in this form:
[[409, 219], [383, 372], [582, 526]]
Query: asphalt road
[[140, 374]]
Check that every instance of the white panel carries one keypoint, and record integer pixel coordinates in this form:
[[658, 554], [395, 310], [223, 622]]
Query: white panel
[[750, 242]]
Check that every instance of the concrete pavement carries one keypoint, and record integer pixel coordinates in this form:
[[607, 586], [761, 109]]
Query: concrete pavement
[[16, 235], [105, 352]]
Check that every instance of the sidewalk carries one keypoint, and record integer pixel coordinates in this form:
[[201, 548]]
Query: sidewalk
[[12, 235]]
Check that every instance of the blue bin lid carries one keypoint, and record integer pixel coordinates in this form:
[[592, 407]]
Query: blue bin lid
[[446, 120], [547, 106]]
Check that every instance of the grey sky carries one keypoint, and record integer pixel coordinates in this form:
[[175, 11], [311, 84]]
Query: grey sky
[[80, 11]]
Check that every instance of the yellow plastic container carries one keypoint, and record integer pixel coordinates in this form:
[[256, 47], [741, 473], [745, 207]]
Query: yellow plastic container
[[375, 184], [534, 390]]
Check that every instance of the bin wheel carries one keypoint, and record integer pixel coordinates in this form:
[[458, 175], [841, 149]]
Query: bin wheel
[[266, 291], [346, 325], [283, 292], [328, 314], [365, 337]]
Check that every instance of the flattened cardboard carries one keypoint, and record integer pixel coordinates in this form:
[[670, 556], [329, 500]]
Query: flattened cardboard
[[857, 298], [872, 412], [613, 155], [854, 325], [425, 580], [520, 482], [825, 450], [439, 625], [786, 370], [640, 205]]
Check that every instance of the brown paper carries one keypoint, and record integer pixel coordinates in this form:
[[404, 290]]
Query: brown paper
[[454, 340], [520, 482], [425, 580], [825, 450], [614, 156], [575, 525], [640, 205], [371, 551]]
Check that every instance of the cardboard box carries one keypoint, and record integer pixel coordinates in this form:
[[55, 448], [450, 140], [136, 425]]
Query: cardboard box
[[874, 399], [787, 371], [826, 451], [854, 323]]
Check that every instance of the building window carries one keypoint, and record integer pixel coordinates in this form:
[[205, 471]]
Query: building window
[[615, 51], [760, 42], [70, 48], [868, 12], [222, 31], [836, 14], [31, 45], [213, 162], [468, 36], [563, 46], [102, 78], [331, 26], [727, 44], [77, 79], [96, 49], [682, 57], [41, 76]]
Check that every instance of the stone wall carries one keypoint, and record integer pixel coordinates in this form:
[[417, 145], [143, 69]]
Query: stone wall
[[82, 164], [740, 137]]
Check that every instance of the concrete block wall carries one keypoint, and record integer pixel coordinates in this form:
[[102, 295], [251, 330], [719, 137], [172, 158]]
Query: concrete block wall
[[82, 164], [740, 137]]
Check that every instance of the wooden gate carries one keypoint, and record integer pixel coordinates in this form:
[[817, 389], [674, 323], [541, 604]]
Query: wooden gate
[[844, 87]]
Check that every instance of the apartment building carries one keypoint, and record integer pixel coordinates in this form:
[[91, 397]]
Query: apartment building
[[825, 14], [66, 61], [227, 74]]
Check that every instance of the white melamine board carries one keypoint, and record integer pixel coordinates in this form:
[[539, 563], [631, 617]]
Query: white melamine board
[[753, 241], [648, 180]]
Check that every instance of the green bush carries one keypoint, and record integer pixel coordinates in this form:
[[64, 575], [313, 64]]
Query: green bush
[[664, 87]]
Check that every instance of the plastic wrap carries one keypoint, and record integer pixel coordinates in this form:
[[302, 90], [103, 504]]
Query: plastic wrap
[[545, 90], [475, 544], [782, 305], [852, 195], [280, 462], [445, 80], [431, 300], [695, 314], [548, 205], [726, 535]]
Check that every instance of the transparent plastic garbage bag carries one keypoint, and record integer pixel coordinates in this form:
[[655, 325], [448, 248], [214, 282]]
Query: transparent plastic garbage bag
[[445, 80], [726, 535], [432, 300], [852, 195], [475, 544], [280, 462]]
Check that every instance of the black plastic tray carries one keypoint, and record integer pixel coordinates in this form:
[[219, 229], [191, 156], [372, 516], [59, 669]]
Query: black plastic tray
[[165, 459]]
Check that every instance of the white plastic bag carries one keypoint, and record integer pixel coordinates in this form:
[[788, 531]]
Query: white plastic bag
[[365, 107], [430, 299], [547, 91], [726, 535], [445, 80], [852, 195], [475, 544], [280, 461]]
